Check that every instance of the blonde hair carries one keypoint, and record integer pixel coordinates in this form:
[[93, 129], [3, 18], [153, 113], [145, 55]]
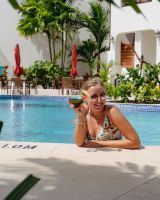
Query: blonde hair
[[92, 82]]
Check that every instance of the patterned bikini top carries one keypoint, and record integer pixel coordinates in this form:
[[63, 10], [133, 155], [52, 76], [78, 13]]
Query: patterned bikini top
[[108, 131]]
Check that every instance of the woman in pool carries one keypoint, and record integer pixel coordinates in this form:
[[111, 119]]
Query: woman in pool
[[99, 124]]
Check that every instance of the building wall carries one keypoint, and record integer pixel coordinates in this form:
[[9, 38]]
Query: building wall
[[31, 49], [125, 20], [130, 21], [149, 46]]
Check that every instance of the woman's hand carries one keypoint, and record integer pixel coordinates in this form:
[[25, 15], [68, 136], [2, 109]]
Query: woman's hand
[[81, 111], [81, 128], [92, 143]]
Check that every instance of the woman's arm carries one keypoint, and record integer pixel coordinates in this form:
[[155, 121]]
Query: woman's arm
[[81, 127], [80, 130], [131, 140]]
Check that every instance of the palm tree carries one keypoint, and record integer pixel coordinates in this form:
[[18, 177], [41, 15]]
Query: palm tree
[[65, 14], [87, 53], [33, 20], [96, 23], [60, 12], [131, 3], [14, 4], [52, 17]]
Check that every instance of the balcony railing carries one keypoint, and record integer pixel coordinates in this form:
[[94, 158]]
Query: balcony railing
[[125, 3]]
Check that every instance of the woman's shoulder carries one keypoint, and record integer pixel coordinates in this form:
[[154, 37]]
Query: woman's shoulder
[[113, 112], [111, 107]]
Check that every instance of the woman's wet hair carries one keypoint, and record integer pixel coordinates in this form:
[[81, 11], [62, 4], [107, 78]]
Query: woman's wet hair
[[92, 82]]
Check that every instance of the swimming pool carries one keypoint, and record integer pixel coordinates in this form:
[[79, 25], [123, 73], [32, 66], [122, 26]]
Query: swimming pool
[[50, 119]]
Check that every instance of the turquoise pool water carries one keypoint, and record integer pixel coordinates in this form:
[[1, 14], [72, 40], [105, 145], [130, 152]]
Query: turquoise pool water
[[52, 120]]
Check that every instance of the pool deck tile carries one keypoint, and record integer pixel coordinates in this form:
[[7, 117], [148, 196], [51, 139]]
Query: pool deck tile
[[70, 172]]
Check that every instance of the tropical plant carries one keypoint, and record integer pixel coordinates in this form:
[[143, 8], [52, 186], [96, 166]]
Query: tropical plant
[[52, 17], [140, 84], [96, 22], [104, 71], [124, 91], [37, 74], [22, 188], [87, 53], [31, 19], [44, 73], [14, 4], [62, 16], [112, 92], [131, 3]]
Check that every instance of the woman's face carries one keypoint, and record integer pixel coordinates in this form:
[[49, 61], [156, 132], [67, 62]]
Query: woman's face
[[97, 97]]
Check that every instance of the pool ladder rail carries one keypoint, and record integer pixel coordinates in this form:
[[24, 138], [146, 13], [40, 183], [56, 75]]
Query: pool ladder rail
[[1, 124]]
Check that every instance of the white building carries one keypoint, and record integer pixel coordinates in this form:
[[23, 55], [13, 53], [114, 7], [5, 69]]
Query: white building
[[129, 30], [35, 47], [135, 36]]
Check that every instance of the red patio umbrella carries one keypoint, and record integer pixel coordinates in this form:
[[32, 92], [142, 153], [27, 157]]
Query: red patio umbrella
[[74, 71], [18, 69]]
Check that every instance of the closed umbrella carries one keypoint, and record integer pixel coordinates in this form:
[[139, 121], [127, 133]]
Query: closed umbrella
[[74, 71], [18, 69]]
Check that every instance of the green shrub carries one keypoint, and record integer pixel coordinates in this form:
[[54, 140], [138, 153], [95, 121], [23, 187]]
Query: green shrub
[[141, 84], [44, 73]]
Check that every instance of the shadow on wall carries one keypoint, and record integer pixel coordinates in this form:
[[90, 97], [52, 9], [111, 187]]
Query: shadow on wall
[[65, 179], [41, 44], [3, 59]]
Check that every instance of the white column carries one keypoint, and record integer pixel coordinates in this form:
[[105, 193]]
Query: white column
[[12, 87], [137, 47], [24, 87], [158, 49]]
